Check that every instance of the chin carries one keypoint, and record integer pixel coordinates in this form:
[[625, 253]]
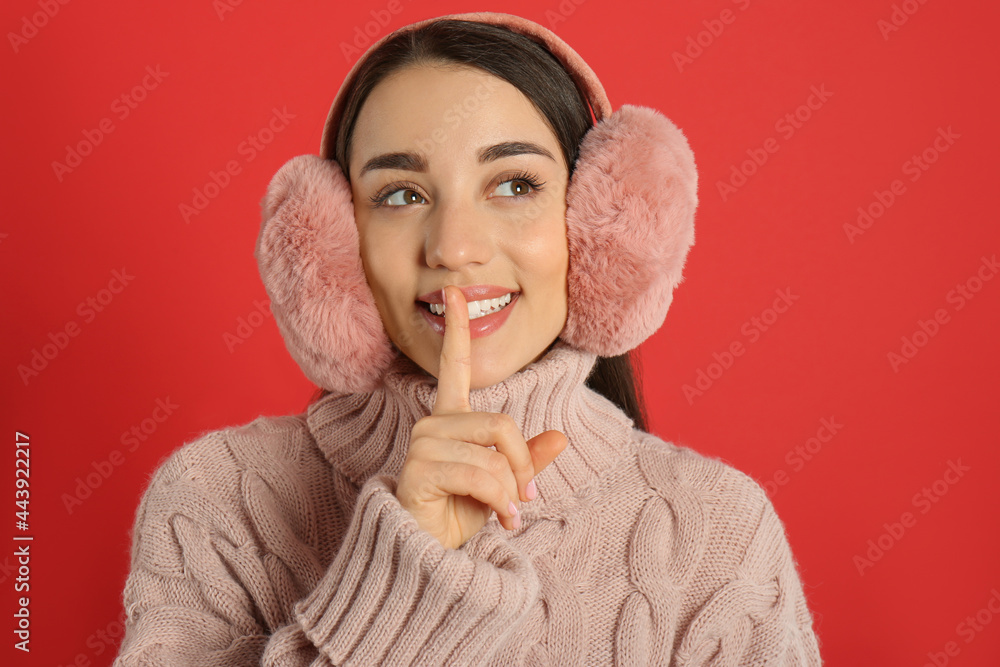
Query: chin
[[491, 375]]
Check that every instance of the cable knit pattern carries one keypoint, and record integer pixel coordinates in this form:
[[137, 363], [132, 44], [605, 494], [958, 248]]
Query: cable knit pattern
[[282, 543]]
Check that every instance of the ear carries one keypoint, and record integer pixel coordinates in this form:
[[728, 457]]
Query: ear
[[309, 258], [630, 222]]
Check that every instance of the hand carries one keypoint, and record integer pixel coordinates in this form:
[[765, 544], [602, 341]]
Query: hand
[[452, 481]]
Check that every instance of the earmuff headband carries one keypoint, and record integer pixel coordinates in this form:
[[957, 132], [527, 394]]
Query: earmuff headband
[[578, 69]]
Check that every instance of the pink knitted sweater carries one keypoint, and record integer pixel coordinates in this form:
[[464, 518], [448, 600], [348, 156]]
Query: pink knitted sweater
[[282, 543]]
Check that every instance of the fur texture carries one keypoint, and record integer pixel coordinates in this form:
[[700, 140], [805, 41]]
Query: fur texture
[[309, 257], [630, 223]]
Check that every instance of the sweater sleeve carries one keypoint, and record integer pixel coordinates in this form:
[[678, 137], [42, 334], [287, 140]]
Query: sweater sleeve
[[759, 615], [198, 595]]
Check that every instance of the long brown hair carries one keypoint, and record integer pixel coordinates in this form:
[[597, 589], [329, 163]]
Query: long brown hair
[[533, 70]]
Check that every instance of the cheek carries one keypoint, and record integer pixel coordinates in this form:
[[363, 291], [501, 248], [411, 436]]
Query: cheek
[[385, 256], [545, 248], [375, 260]]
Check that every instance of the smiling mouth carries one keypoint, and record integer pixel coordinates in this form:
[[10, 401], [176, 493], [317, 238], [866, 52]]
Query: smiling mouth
[[477, 309]]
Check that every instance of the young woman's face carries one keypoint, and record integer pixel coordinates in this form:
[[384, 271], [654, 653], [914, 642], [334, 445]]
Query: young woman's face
[[448, 155]]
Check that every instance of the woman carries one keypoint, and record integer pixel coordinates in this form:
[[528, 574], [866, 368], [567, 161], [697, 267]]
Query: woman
[[466, 265]]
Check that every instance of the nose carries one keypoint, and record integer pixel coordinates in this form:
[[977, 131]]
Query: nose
[[458, 235]]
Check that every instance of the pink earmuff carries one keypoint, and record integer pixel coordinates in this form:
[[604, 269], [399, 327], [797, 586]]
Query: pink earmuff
[[630, 208]]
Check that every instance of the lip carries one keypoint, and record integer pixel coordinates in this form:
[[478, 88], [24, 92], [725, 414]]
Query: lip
[[479, 327], [472, 293]]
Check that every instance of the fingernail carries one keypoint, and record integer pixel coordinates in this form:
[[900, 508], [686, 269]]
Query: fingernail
[[444, 298], [531, 491], [512, 508]]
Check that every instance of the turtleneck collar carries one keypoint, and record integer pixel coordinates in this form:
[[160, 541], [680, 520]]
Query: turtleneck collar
[[366, 434]]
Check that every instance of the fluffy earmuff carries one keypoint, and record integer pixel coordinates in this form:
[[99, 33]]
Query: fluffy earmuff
[[630, 208], [629, 221], [309, 257]]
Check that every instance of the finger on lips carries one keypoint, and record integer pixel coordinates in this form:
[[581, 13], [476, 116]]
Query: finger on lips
[[452, 400], [455, 366]]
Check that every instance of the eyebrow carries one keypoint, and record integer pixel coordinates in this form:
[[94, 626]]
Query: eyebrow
[[417, 162]]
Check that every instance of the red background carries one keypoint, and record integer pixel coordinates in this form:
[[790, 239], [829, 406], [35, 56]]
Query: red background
[[164, 335]]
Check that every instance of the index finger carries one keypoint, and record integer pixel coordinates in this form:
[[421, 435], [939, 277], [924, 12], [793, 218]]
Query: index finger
[[455, 367]]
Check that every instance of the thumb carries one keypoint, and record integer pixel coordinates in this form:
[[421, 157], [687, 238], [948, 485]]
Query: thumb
[[545, 447]]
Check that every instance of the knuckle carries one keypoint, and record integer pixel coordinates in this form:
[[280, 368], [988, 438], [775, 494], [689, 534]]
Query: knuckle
[[419, 449], [463, 451], [482, 435], [424, 425], [447, 468], [508, 426], [476, 477], [499, 496], [438, 476], [497, 464]]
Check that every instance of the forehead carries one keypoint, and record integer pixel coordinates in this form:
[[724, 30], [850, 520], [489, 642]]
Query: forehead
[[446, 113]]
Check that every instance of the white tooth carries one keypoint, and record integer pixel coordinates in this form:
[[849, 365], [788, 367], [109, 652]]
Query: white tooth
[[477, 308]]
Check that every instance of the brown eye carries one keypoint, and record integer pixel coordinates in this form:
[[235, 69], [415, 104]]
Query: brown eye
[[401, 197], [517, 187]]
